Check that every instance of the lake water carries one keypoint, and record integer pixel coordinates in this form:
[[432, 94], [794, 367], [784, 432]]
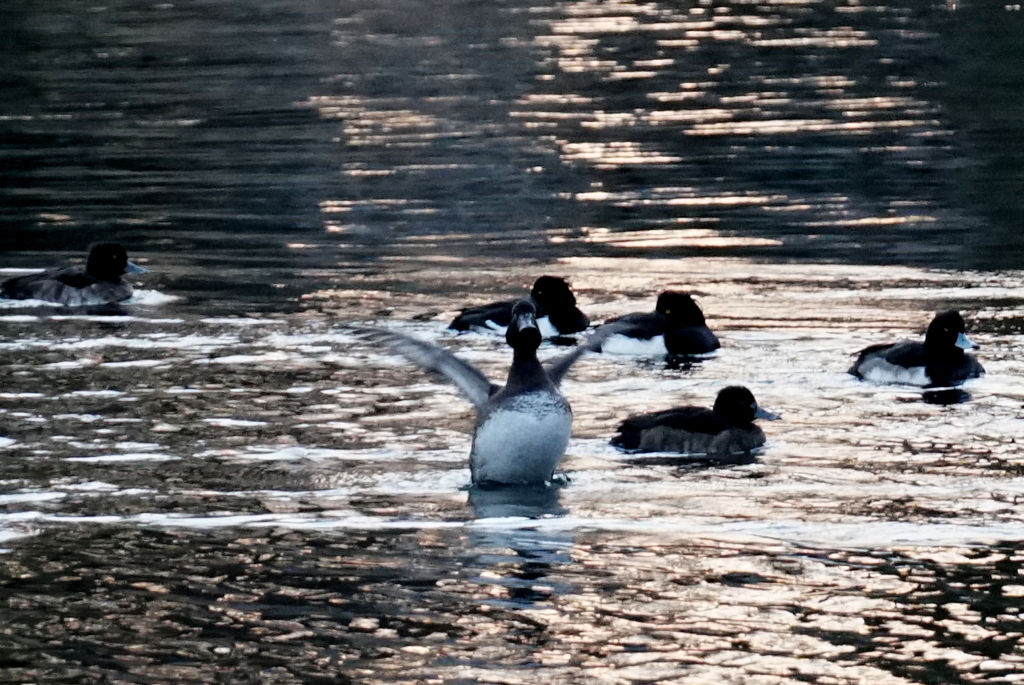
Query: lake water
[[219, 482]]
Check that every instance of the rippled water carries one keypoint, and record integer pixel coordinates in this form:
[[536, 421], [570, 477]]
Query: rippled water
[[218, 482]]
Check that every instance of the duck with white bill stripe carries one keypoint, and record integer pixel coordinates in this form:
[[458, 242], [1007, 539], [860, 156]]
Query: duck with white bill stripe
[[938, 362], [675, 327]]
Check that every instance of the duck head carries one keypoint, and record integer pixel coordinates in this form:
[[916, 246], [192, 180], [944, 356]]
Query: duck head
[[736, 404], [109, 261], [947, 330], [680, 309], [552, 293], [522, 333]]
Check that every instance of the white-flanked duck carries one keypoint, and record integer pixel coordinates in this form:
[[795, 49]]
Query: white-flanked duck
[[557, 313], [98, 282], [675, 327], [728, 428], [522, 428], [938, 362]]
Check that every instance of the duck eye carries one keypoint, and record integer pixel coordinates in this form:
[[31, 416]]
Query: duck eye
[[668, 311]]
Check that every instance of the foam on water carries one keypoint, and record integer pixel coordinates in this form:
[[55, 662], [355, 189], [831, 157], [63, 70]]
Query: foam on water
[[242, 321], [115, 458], [150, 298], [223, 422], [866, 535], [138, 364]]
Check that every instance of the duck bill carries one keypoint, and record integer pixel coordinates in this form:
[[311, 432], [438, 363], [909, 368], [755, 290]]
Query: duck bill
[[525, 321], [766, 415], [964, 343], [133, 268], [526, 330]]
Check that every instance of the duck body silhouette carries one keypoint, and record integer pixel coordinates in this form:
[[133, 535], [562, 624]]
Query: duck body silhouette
[[523, 427], [939, 361], [557, 313], [99, 282], [676, 327], [727, 428]]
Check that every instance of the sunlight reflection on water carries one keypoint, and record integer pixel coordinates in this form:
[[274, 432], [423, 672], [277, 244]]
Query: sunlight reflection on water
[[220, 481]]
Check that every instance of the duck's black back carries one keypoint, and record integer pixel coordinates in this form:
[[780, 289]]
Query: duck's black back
[[500, 313], [689, 419]]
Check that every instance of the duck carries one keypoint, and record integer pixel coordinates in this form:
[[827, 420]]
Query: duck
[[99, 282], [938, 362], [557, 313], [522, 427], [725, 429], [675, 327]]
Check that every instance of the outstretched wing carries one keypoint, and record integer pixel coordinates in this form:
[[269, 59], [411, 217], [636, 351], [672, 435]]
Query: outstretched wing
[[466, 377], [558, 367]]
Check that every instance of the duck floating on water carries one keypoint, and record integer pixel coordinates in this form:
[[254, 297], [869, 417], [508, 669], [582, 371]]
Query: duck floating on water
[[675, 327], [557, 313], [727, 428], [99, 282], [939, 361]]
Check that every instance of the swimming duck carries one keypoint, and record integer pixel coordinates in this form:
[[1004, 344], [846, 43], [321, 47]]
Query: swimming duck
[[675, 327], [522, 428], [939, 361], [99, 282], [557, 313], [728, 428]]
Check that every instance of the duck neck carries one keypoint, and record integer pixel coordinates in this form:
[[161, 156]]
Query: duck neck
[[526, 371], [933, 350]]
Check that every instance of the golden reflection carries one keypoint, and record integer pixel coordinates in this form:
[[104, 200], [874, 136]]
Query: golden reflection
[[876, 221], [676, 97], [655, 238], [555, 98], [669, 197], [367, 121], [619, 153], [630, 75], [828, 39], [776, 126], [657, 117]]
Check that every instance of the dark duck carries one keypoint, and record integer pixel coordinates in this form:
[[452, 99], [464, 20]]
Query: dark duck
[[726, 429], [522, 428], [938, 362], [675, 327], [98, 283], [557, 313]]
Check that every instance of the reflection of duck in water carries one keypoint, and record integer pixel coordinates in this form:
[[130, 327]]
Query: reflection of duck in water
[[727, 428], [527, 501], [522, 429], [99, 282], [675, 327], [557, 313], [939, 361], [523, 550]]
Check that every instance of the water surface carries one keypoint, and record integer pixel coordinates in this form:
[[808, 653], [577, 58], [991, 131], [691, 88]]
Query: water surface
[[219, 482]]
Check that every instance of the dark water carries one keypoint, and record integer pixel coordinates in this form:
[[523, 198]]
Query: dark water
[[219, 483]]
